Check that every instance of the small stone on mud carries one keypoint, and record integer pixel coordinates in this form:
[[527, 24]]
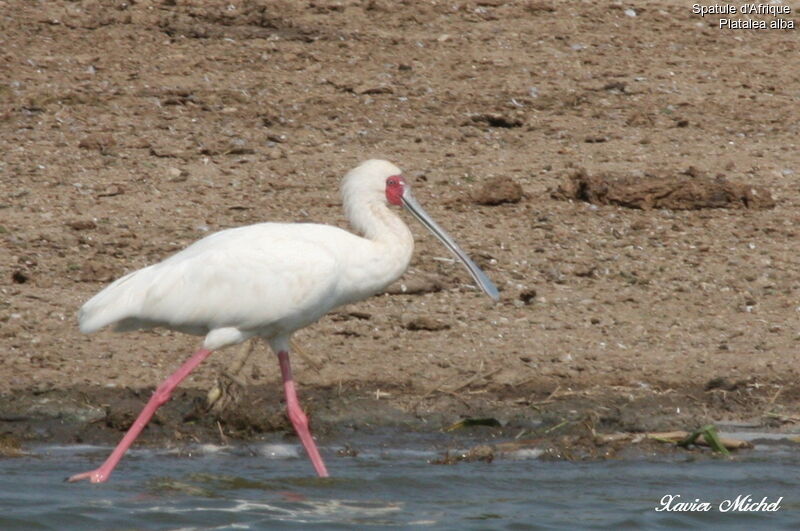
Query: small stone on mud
[[10, 446], [274, 153], [721, 382], [537, 6], [493, 119], [498, 190], [674, 192], [123, 413], [415, 286], [347, 316], [82, 224], [482, 452], [424, 323], [111, 190], [373, 89], [527, 295], [347, 451], [177, 175], [96, 273], [98, 142]]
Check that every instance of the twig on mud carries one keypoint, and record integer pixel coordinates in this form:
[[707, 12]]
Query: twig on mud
[[455, 395], [775, 396], [550, 398], [781, 418], [234, 378], [526, 381], [554, 393], [681, 438], [426, 395], [244, 354], [536, 405], [454, 391], [222, 435], [218, 396], [311, 362], [469, 382], [258, 401], [559, 425]]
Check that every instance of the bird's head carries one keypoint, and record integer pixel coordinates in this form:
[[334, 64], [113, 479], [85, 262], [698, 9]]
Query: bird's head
[[396, 188], [379, 180], [372, 180]]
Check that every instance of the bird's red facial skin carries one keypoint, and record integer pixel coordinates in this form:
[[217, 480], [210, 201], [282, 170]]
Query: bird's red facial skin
[[395, 186]]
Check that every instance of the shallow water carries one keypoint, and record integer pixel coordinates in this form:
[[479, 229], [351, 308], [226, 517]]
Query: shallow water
[[390, 483]]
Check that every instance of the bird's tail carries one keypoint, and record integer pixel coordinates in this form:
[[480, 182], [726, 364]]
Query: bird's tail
[[121, 300]]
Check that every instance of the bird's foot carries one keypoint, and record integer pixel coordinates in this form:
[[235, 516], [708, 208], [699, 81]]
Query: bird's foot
[[97, 475]]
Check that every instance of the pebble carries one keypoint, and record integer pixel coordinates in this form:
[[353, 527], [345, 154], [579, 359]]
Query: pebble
[[424, 323], [498, 190]]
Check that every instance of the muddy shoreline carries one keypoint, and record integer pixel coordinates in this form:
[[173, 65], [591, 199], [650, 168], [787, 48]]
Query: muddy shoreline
[[563, 424]]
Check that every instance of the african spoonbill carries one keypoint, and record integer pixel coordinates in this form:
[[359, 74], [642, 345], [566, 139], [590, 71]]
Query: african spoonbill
[[269, 280]]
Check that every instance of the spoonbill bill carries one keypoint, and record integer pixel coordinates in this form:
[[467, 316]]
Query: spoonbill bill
[[269, 280]]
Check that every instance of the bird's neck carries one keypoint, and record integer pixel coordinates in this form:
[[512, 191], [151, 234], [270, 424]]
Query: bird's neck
[[387, 246], [376, 222]]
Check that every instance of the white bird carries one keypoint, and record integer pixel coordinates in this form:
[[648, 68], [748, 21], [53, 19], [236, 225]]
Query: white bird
[[268, 280]]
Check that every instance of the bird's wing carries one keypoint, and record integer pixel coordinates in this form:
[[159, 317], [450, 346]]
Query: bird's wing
[[248, 278]]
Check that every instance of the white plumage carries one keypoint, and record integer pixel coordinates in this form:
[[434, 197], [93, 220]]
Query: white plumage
[[265, 280], [268, 280]]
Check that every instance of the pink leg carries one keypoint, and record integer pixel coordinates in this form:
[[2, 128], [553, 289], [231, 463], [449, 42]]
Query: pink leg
[[161, 396], [298, 418]]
